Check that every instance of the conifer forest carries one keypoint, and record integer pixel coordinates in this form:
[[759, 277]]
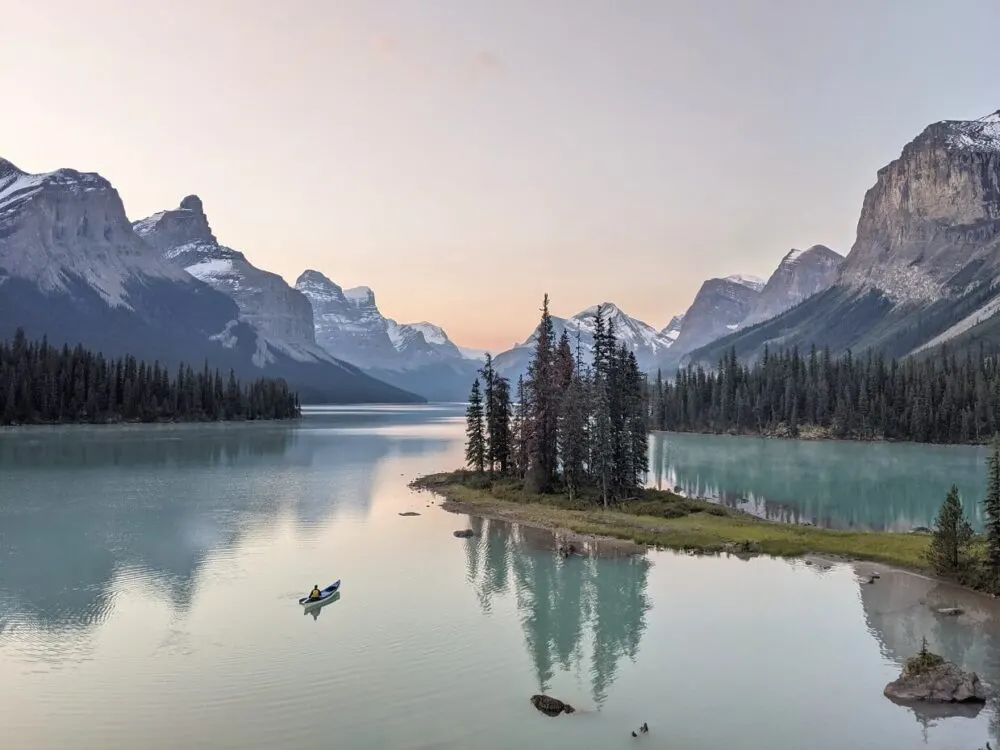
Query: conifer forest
[[571, 426], [43, 384]]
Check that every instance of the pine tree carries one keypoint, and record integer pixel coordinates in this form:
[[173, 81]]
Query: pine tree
[[501, 438], [949, 545], [992, 505], [544, 406], [475, 446]]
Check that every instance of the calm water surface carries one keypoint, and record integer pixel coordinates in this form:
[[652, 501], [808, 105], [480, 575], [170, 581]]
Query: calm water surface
[[148, 579], [838, 484]]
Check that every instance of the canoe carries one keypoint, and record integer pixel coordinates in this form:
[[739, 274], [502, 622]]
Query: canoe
[[324, 595]]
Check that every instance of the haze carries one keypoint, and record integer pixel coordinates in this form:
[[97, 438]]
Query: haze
[[461, 157]]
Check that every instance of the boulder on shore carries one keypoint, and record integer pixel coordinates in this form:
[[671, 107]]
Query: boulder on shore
[[464, 533], [929, 678], [551, 706]]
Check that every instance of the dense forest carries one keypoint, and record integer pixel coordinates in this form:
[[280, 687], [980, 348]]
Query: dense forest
[[939, 398], [574, 427], [43, 384]]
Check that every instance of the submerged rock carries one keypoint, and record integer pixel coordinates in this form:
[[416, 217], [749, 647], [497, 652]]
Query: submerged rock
[[929, 678], [551, 706], [952, 611], [409, 513], [464, 533]]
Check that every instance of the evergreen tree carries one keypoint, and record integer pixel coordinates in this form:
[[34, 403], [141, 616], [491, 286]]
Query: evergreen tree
[[992, 504], [501, 447], [949, 545], [520, 431], [543, 402], [475, 447]]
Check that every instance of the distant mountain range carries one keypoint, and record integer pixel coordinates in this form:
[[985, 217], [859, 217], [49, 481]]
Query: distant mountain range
[[922, 272], [721, 306]]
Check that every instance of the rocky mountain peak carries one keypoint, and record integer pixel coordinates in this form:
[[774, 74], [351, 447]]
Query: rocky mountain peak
[[800, 275], [932, 213], [8, 170], [362, 296], [193, 203], [176, 230]]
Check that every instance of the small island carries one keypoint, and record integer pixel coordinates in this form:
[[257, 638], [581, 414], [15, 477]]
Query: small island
[[569, 454], [928, 678], [44, 384]]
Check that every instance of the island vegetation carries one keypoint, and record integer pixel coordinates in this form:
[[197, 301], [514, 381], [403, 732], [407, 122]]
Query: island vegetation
[[44, 384], [570, 452], [937, 398]]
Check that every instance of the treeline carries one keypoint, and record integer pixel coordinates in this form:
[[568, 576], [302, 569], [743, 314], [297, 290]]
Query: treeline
[[955, 552], [936, 399], [574, 427], [42, 384]]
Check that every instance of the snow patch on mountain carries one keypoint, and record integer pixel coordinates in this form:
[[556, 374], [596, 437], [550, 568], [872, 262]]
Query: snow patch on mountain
[[981, 134], [751, 282], [281, 315], [349, 325], [64, 224]]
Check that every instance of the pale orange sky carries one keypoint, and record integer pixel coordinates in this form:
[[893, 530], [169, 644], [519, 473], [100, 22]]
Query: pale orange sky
[[461, 157]]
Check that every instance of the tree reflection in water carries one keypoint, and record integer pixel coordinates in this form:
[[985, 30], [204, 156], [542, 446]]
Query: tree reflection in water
[[564, 604]]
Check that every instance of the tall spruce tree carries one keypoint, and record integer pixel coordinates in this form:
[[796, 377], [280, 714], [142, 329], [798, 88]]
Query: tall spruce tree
[[498, 425], [544, 407], [475, 444], [949, 546], [488, 379]]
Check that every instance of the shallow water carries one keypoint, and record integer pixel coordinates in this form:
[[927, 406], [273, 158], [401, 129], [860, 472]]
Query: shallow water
[[835, 484], [148, 578]]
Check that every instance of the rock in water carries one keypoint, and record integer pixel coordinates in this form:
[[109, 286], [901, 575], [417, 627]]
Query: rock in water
[[929, 678], [551, 706], [409, 513], [464, 534]]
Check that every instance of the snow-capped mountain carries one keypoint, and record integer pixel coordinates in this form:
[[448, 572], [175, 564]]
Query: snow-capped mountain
[[646, 342], [415, 356], [800, 275], [73, 269], [280, 313], [924, 266], [673, 328]]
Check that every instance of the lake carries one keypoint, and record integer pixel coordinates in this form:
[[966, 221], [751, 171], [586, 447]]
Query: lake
[[835, 484], [149, 576]]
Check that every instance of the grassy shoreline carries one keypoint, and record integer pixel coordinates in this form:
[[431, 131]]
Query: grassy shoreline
[[663, 519]]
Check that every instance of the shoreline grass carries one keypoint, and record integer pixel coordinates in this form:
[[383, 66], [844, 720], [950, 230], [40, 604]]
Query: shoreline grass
[[663, 519]]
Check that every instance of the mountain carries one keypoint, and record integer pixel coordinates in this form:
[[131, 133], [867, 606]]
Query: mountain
[[416, 356], [923, 267], [646, 342], [800, 275], [73, 269], [673, 328], [718, 308]]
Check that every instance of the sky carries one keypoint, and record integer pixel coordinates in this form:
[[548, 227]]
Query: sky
[[464, 157]]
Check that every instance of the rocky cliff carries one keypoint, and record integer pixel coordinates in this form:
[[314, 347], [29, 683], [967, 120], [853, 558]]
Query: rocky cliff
[[266, 301], [931, 214]]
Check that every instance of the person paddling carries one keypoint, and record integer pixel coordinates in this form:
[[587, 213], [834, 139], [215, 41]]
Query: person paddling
[[315, 593]]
